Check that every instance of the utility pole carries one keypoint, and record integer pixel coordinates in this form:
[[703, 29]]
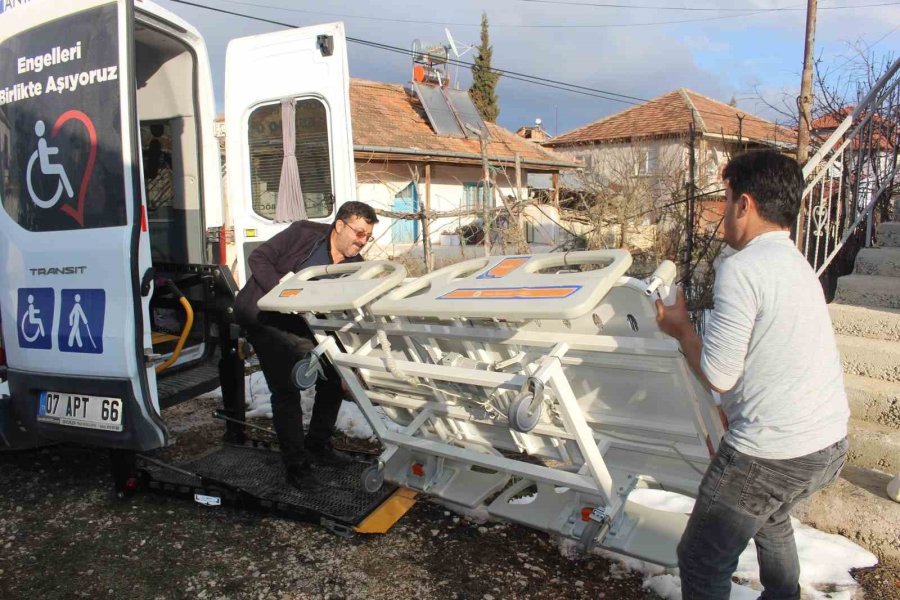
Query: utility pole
[[689, 225], [806, 92]]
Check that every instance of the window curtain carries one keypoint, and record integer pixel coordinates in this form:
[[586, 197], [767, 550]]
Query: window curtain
[[289, 206]]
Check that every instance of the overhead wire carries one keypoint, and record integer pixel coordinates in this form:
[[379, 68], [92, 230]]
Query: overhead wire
[[732, 13], [509, 74], [645, 6], [550, 83], [574, 88], [773, 9], [745, 13]]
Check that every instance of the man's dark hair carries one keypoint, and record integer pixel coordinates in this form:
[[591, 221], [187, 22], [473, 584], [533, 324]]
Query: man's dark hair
[[774, 180], [353, 208]]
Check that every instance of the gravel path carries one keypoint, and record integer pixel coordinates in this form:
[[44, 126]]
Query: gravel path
[[64, 535]]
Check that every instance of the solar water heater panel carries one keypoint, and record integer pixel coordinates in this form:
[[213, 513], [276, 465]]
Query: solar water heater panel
[[439, 113], [466, 111]]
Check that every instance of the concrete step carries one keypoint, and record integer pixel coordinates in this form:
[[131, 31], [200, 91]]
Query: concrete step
[[874, 446], [878, 359], [873, 400], [876, 323], [874, 291], [856, 506], [878, 261], [888, 234]]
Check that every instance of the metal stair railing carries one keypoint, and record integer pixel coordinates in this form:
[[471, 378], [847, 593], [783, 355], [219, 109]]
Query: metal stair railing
[[851, 173]]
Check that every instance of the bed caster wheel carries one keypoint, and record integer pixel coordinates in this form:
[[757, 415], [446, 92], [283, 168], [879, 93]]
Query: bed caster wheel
[[525, 412], [305, 372], [373, 479], [588, 538]]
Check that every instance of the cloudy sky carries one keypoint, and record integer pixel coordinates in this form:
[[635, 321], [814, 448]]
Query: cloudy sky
[[639, 48]]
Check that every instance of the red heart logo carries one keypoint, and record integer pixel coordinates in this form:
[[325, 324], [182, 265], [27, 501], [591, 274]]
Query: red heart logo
[[77, 115]]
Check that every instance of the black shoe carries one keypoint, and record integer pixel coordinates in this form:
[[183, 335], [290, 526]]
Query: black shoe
[[326, 456], [302, 478]]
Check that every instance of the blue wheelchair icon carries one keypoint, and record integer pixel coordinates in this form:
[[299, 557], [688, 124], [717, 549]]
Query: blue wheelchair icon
[[35, 318]]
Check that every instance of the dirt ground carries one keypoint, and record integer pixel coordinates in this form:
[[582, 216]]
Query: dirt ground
[[63, 534]]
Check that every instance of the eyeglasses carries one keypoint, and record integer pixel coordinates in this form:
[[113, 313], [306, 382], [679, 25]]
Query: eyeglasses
[[359, 233]]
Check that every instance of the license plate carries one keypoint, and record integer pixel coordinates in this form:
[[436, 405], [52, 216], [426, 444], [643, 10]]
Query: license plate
[[78, 410]]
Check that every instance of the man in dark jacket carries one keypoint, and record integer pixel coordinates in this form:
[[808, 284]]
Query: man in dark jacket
[[280, 340]]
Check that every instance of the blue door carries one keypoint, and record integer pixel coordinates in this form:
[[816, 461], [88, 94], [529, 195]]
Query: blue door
[[404, 231]]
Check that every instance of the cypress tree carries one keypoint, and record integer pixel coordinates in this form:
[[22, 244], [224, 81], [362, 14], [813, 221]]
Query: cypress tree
[[484, 80]]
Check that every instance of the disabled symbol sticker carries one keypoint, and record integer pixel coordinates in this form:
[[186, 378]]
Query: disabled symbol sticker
[[41, 157], [81, 317], [34, 318], [42, 164]]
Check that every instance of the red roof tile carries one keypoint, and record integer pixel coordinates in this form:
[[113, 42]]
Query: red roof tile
[[882, 135], [831, 120], [670, 116], [386, 117]]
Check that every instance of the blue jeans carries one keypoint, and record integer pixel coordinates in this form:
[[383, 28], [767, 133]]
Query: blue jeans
[[743, 497]]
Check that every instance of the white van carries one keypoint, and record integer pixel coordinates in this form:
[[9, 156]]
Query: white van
[[111, 196]]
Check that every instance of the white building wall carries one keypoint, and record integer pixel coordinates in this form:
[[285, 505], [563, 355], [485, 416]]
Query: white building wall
[[667, 159], [614, 162], [379, 183]]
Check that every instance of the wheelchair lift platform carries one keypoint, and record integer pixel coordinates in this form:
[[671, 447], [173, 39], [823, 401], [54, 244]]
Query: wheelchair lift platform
[[253, 476], [538, 388]]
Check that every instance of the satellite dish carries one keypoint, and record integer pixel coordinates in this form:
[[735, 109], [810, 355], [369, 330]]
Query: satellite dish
[[452, 43], [456, 52], [538, 121]]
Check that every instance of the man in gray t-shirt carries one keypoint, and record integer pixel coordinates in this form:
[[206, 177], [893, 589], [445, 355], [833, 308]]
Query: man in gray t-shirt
[[769, 350]]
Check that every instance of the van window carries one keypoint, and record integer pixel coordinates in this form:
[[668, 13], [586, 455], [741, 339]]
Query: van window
[[312, 151], [62, 165]]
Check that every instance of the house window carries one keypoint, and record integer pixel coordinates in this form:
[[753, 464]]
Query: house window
[[588, 159], [473, 195], [529, 232], [652, 160], [313, 158], [646, 161], [714, 158]]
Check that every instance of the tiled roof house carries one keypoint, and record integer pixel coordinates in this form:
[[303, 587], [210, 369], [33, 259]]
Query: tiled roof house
[[649, 146], [670, 116]]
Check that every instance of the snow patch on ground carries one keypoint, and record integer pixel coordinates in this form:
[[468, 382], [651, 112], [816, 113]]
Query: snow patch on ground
[[662, 500], [825, 559], [350, 419], [478, 515], [257, 395], [524, 499]]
